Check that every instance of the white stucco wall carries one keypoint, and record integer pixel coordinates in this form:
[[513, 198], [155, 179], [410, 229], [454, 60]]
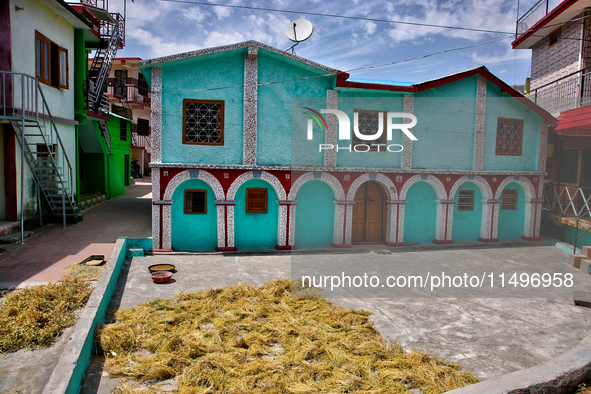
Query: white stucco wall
[[23, 23], [35, 16]]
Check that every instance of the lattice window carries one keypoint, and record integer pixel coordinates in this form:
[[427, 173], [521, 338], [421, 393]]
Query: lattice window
[[256, 200], [466, 200], [509, 137], [203, 122], [368, 125], [509, 199], [195, 201]]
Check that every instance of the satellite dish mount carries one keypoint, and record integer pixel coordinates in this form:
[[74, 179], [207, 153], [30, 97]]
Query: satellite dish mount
[[298, 31]]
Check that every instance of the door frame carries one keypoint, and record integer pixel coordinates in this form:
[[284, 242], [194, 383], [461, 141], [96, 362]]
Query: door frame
[[364, 186]]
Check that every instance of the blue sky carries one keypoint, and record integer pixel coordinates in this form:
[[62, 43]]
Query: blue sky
[[157, 28]]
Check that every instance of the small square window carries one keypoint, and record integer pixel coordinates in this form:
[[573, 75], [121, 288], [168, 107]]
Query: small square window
[[203, 122], [555, 36], [509, 199], [466, 200], [195, 201], [509, 137], [256, 200], [368, 123]]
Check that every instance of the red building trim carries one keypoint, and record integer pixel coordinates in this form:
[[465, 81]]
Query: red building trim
[[542, 22]]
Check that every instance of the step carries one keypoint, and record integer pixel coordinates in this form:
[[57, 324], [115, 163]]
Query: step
[[13, 238], [586, 250], [585, 266], [574, 260]]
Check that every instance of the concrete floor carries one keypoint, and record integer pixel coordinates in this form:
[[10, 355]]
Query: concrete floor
[[46, 256], [487, 336]]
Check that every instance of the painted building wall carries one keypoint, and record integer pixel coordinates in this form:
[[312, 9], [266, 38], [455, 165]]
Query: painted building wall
[[351, 100], [2, 177], [511, 221], [466, 224], [498, 106], [420, 214], [179, 79], [256, 230], [274, 106], [552, 62], [314, 215], [23, 24], [193, 231], [445, 126]]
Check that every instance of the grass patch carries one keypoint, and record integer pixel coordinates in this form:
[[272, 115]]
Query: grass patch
[[261, 340], [33, 317]]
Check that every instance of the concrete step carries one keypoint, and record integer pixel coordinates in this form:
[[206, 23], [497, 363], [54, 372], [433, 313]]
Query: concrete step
[[13, 238]]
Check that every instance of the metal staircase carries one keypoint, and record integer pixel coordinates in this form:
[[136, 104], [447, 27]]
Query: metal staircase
[[106, 135], [23, 104], [112, 31]]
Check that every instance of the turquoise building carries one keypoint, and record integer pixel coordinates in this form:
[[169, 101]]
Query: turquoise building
[[253, 147]]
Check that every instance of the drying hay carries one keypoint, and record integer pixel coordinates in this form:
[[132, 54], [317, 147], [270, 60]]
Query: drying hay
[[261, 340], [34, 316], [84, 273]]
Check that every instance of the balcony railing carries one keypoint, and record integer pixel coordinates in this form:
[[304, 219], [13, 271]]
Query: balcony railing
[[570, 202], [141, 140], [129, 89], [568, 92], [534, 14]]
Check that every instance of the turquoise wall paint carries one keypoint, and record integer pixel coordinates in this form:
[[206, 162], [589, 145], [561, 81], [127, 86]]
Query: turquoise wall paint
[[193, 231], [466, 227], [255, 230], [275, 105], [364, 101], [512, 222], [569, 237], [314, 215], [420, 214], [204, 72], [445, 127], [499, 105]]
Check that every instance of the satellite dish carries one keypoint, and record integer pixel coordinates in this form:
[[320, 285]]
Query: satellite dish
[[299, 30]]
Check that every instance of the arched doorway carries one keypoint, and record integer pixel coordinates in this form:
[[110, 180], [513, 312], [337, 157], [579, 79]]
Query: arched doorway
[[369, 211], [314, 215], [420, 217]]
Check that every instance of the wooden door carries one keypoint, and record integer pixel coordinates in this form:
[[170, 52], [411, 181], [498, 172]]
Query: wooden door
[[368, 214]]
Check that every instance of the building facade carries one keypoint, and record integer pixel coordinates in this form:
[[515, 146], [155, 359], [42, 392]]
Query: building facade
[[559, 35], [232, 166], [129, 95]]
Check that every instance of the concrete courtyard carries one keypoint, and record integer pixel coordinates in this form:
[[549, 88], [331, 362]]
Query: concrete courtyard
[[486, 336]]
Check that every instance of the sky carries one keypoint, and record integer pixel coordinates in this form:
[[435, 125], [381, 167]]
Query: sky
[[157, 28]]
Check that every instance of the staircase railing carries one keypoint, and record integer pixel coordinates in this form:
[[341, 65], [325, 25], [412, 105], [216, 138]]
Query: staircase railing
[[23, 103], [103, 59]]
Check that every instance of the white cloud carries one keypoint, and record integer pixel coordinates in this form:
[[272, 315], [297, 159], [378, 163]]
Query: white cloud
[[217, 38], [159, 47], [369, 27], [500, 56]]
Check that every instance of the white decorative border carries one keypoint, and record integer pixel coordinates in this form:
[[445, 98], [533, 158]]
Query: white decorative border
[[330, 155], [251, 72], [487, 194], [279, 190], [156, 209], [409, 108], [441, 195], [240, 45], [338, 192], [530, 208], [171, 187], [543, 146], [156, 121], [480, 121]]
